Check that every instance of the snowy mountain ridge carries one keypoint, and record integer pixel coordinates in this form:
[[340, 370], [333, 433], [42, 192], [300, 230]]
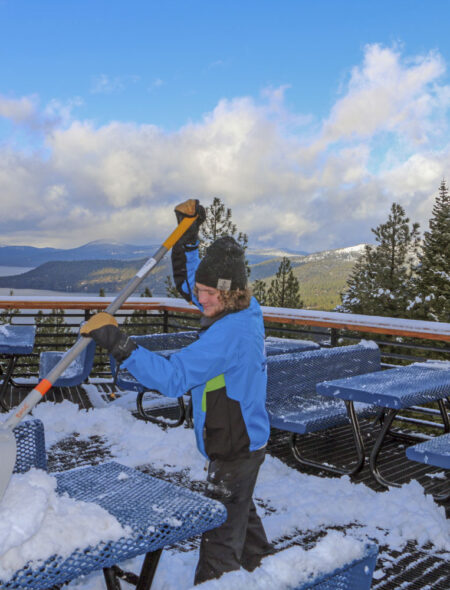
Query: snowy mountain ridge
[[349, 253]]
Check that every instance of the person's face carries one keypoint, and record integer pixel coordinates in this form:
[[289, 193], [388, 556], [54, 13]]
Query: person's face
[[209, 299]]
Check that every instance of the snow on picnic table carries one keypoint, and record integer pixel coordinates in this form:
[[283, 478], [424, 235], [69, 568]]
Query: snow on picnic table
[[302, 502]]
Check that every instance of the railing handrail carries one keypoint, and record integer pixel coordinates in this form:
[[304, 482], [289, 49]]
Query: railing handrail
[[329, 319]]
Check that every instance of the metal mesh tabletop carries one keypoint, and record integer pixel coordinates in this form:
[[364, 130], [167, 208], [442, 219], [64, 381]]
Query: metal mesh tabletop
[[159, 514], [394, 388], [17, 339], [435, 451]]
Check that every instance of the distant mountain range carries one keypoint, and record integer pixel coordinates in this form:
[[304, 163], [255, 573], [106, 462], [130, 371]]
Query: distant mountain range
[[109, 266], [28, 256]]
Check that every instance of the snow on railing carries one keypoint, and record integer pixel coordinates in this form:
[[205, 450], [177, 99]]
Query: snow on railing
[[363, 323]]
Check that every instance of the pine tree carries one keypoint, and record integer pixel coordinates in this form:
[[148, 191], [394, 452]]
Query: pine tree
[[361, 284], [284, 290], [218, 223], [382, 280], [432, 292], [259, 291], [171, 290]]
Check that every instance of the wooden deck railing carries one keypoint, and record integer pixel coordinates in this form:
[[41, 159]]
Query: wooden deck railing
[[438, 331]]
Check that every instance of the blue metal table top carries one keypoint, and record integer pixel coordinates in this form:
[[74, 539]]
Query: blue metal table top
[[159, 514], [16, 339], [435, 451], [397, 388]]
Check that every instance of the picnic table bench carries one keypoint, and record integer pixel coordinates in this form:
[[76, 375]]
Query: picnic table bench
[[276, 345], [75, 374], [158, 513], [282, 571], [392, 390], [294, 406], [356, 575], [15, 341], [435, 451], [30, 444]]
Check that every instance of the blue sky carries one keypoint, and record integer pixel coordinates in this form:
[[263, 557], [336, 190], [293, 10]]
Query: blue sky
[[307, 118]]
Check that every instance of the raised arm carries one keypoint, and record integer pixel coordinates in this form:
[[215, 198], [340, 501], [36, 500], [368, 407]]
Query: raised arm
[[185, 258]]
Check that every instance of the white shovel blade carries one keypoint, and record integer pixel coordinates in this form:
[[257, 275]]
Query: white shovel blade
[[8, 450]]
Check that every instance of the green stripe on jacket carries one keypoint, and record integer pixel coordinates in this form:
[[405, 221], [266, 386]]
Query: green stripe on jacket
[[212, 385]]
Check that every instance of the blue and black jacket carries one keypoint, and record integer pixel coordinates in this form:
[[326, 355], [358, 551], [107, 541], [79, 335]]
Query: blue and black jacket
[[225, 370]]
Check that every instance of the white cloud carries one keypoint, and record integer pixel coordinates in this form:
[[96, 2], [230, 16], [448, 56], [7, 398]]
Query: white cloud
[[287, 182], [386, 93], [17, 109]]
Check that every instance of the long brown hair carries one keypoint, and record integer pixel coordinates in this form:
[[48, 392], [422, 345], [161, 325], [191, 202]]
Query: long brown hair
[[235, 300]]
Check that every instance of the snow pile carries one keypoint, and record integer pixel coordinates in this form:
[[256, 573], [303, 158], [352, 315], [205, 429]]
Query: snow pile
[[393, 517], [302, 503], [293, 567], [36, 523]]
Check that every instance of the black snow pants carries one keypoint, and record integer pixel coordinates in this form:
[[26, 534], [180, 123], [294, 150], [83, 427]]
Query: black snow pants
[[240, 540]]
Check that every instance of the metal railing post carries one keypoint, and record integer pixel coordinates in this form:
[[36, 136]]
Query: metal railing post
[[334, 337]]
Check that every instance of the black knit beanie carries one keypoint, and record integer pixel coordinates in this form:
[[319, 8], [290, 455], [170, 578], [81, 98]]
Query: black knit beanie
[[223, 266]]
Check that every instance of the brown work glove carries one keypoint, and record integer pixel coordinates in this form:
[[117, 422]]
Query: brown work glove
[[104, 330], [190, 208]]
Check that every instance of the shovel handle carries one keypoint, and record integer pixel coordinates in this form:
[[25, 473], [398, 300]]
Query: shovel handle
[[46, 383]]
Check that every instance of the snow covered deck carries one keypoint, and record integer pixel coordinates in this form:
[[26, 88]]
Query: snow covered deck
[[90, 426]]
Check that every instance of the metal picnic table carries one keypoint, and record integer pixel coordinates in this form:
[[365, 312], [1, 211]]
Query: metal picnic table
[[394, 390], [159, 514], [15, 341]]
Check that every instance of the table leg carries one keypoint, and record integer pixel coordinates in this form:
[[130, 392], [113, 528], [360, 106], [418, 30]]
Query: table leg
[[148, 570], [359, 445], [142, 582], [6, 380], [389, 417], [444, 415], [112, 583]]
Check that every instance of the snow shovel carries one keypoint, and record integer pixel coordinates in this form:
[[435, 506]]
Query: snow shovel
[[8, 447]]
